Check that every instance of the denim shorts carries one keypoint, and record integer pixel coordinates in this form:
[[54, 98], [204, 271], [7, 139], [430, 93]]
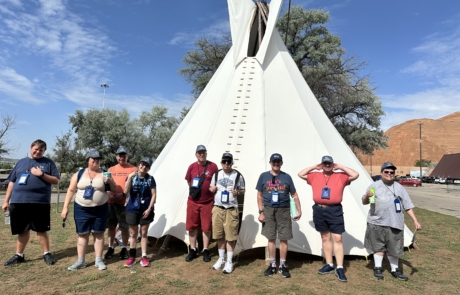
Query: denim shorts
[[329, 219], [90, 219]]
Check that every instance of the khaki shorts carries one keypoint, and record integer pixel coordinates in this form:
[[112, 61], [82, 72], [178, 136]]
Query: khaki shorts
[[384, 239], [277, 221], [225, 223]]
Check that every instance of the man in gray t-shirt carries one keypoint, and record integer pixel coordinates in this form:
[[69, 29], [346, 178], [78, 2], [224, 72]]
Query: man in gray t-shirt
[[385, 220]]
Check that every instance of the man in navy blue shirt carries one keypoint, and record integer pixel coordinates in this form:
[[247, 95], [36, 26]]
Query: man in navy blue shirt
[[28, 199]]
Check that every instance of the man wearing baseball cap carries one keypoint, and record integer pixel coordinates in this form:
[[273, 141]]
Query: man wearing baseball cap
[[117, 209], [328, 180], [385, 221], [274, 190], [226, 185], [200, 202]]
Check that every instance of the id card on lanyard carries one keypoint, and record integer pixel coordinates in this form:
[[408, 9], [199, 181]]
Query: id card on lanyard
[[23, 178], [224, 196], [140, 193], [326, 193], [275, 197], [397, 205]]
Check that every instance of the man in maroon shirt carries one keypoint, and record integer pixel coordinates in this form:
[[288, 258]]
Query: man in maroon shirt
[[328, 184], [199, 208]]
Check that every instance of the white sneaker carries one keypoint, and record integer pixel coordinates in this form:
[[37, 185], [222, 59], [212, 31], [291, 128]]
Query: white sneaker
[[228, 267], [219, 264]]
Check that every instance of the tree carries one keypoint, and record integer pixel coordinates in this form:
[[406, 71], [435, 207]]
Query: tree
[[424, 163], [7, 124], [347, 98]]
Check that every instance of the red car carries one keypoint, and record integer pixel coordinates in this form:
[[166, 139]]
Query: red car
[[409, 181]]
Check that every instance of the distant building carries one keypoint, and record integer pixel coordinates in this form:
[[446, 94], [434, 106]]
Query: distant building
[[449, 166]]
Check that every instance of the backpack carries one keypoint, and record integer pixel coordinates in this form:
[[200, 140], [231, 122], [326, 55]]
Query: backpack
[[238, 174], [80, 173]]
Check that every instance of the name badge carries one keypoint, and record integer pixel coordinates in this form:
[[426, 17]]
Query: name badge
[[89, 192], [23, 178], [224, 197], [136, 203], [397, 205], [326, 193], [275, 198], [195, 182]]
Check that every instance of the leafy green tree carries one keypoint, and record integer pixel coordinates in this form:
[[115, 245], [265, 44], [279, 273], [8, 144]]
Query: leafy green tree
[[347, 97], [424, 163]]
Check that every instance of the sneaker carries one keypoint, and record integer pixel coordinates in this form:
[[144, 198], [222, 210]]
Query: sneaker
[[219, 263], [271, 270], [399, 275], [124, 253], [130, 262], [14, 260], [100, 265], [378, 273], [191, 255], [326, 269], [49, 259], [340, 273], [206, 256], [284, 271], [228, 267], [144, 261], [109, 253], [77, 265]]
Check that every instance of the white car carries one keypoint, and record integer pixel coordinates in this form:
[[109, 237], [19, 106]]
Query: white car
[[436, 180], [442, 180]]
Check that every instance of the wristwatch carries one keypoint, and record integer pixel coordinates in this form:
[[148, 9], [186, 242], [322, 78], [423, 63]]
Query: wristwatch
[[43, 174], [261, 211]]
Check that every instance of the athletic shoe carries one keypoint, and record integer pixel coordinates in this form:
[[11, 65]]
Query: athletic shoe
[[124, 253], [228, 267], [271, 270], [49, 259], [191, 255], [340, 273], [130, 262], [399, 275], [378, 273], [326, 269], [144, 261], [14, 260], [77, 265], [284, 271], [206, 256], [219, 263], [100, 265], [109, 253]]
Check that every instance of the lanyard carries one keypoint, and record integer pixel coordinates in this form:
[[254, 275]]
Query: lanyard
[[393, 192], [30, 166], [141, 187], [327, 179]]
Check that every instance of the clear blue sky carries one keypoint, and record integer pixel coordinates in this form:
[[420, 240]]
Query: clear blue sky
[[55, 54]]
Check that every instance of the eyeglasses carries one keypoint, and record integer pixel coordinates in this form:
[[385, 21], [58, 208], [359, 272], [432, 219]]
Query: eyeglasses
[[389, 172], [226, 161]]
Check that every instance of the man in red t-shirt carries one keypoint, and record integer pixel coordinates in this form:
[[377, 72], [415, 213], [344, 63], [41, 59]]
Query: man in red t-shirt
[[328, 186], [199, 208]]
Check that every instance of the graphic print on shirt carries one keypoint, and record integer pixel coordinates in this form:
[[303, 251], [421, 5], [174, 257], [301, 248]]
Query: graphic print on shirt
[[225, 182], [270, 186]]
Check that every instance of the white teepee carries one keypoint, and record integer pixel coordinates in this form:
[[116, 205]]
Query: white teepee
[[253, 107]]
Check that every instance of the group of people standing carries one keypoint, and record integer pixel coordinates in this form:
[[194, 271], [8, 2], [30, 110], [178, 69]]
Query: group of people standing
[[125, 195]]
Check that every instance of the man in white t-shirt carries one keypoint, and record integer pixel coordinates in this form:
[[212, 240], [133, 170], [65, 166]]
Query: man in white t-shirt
[[226, 184]]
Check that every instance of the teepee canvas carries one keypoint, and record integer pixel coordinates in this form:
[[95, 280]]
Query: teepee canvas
[[256, 105]]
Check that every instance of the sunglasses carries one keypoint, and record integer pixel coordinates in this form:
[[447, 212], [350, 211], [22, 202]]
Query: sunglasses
[[226, 161], [389, 172], [273, 179], [63, 222]]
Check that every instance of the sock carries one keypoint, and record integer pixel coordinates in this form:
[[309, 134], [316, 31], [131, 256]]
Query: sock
[[273, 262], [81, 260], [229, 256], [339, 266], [194, 249], [98, 259], [393, 262], [20, 254], [331, 264], [282, 262], [132, 252], [44, 253], [205, 249], [123, 247], [111, 247], [378, 260], [144, 254], [222, 253]]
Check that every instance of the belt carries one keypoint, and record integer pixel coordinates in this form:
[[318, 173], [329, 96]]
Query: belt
[[223, 208], [325, 206]]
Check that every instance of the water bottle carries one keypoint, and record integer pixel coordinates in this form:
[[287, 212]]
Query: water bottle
[[7, 217], [372, 198], [293, 207]]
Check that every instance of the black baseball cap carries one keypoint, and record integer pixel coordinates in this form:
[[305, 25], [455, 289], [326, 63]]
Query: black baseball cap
[[200, 148], [227, 155], [276, 157], [387, 165]]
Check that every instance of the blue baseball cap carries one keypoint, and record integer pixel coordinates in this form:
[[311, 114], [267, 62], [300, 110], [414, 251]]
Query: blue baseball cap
[[387, 165], [121, 150], [327, 159], [93, 154], [200, 148], [147, 160]]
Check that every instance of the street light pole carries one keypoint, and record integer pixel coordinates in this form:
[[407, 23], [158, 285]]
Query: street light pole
[[420, 127], [103, 98]]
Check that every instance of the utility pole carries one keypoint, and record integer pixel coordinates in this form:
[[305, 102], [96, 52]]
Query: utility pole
[[420, 127], [103, 98]]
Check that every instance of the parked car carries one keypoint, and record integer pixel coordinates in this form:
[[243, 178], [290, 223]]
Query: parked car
[[456, 181], [376, 177], [409, 181], [442, 180], [436, 179]]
